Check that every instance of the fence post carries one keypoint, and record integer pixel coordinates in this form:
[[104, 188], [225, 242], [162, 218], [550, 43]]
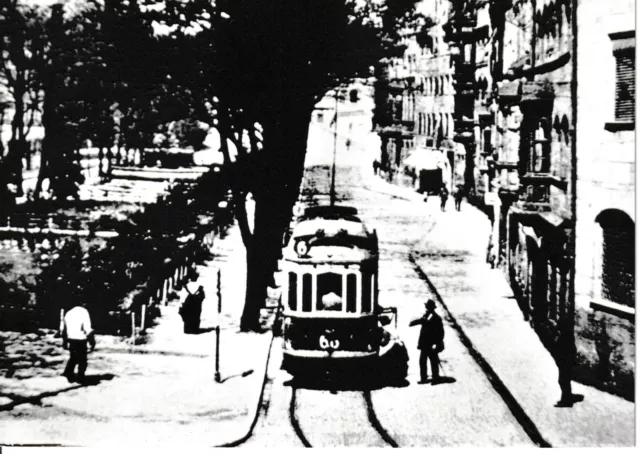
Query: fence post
[[219, 295], [133, 327]]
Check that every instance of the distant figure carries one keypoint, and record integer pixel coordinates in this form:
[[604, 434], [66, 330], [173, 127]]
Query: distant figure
[[430, 342], [191, 310], [376, 167], [444, 195], [564, 356], [76, 334], [458, 194], [491, 255]]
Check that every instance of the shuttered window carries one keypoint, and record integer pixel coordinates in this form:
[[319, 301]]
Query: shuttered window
[[618, 254], [625, 86]]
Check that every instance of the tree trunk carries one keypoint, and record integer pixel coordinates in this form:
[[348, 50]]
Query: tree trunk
[[285, 143]]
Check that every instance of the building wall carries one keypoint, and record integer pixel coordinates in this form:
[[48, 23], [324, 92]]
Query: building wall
[[606, 180]]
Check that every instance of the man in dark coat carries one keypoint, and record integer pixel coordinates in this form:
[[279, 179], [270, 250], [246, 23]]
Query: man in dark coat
[[457, 196], [430, 342], [444, 195]]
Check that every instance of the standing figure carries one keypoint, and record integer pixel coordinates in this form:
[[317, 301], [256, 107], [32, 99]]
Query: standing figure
[[564, 356], [457, 196], [76, 334], [430, 342], [444, 195], [191, 310]]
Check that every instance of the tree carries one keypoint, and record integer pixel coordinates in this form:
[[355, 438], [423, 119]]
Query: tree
[[21, 52], [269, 64]]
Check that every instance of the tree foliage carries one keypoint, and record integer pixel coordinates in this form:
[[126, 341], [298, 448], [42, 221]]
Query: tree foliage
[[267, 65]]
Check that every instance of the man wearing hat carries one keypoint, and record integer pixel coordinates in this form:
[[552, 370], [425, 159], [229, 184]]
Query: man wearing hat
[[430, 342]]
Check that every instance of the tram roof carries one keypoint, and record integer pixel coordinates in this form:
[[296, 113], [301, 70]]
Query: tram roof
[[336, 255], [334, 236]]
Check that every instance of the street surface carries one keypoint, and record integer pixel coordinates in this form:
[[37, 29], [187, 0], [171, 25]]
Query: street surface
[[463, 411]]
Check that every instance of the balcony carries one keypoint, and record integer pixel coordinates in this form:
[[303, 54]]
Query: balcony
[[535, 191]]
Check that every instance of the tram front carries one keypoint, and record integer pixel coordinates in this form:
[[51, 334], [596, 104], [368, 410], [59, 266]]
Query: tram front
[[331, 313]]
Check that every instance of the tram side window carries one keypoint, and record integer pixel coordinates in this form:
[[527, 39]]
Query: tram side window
[[366, 292], [306, 292], [293, 291], [329, 297], [351, 292]]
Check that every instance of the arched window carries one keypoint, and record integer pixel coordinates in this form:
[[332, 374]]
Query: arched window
[[540, 157], [618, 254]]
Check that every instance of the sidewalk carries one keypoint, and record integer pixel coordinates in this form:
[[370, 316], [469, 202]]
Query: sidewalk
[[481, 303], [159, 393]]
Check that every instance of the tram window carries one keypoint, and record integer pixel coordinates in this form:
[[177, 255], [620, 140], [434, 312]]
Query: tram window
[[366, 292], [306, 292], [329, 297], [351, 292], [293, 291]]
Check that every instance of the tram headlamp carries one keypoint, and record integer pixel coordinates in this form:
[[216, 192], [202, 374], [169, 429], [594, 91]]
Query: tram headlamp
[[302, 248]]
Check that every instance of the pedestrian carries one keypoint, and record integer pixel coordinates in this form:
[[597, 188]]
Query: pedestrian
[[491, 255], [564, 356], [376, 167], [191, 310], [457, 196], [76, 335], [444, 195], [430, 342]]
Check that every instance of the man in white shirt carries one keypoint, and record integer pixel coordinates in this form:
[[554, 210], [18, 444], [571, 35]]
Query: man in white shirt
[[77, 332]]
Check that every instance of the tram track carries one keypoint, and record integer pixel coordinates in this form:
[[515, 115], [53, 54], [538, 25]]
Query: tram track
[[371, 417]]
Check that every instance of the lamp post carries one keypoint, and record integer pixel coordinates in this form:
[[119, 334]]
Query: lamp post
[[332, 191]]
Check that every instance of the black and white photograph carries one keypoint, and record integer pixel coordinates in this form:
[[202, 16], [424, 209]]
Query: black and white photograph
[[317, 223]]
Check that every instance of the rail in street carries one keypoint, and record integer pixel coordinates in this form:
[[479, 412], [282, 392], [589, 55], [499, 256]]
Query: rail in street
[[464, 410]]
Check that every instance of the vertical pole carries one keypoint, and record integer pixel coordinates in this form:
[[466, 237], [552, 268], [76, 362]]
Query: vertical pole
[[143, 316], [133, 327], [332, 194], [219, 295], [61, 321]]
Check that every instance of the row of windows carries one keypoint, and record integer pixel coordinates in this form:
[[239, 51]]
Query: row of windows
[[438, 86], [431, 124], [331, 292], [536, 142]]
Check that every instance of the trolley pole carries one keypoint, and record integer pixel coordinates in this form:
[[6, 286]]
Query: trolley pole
[[332, 193], [219, 295]]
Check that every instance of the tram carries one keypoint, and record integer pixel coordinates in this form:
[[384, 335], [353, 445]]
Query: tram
[[330, 297]]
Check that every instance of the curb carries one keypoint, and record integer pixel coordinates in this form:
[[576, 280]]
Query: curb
[[514, 407], [258, 407]]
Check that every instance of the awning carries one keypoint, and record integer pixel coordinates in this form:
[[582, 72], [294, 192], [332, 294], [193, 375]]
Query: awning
[[536, 91], [622, 42], [552, 218], [425, 159]]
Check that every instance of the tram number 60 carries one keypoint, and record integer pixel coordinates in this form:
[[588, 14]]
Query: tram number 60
[[328, 344]]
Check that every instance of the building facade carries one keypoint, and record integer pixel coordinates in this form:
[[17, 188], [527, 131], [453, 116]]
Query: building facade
[[605, 205], [418, 98]]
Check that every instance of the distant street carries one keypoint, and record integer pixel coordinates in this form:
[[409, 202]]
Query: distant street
[[463, 411]]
